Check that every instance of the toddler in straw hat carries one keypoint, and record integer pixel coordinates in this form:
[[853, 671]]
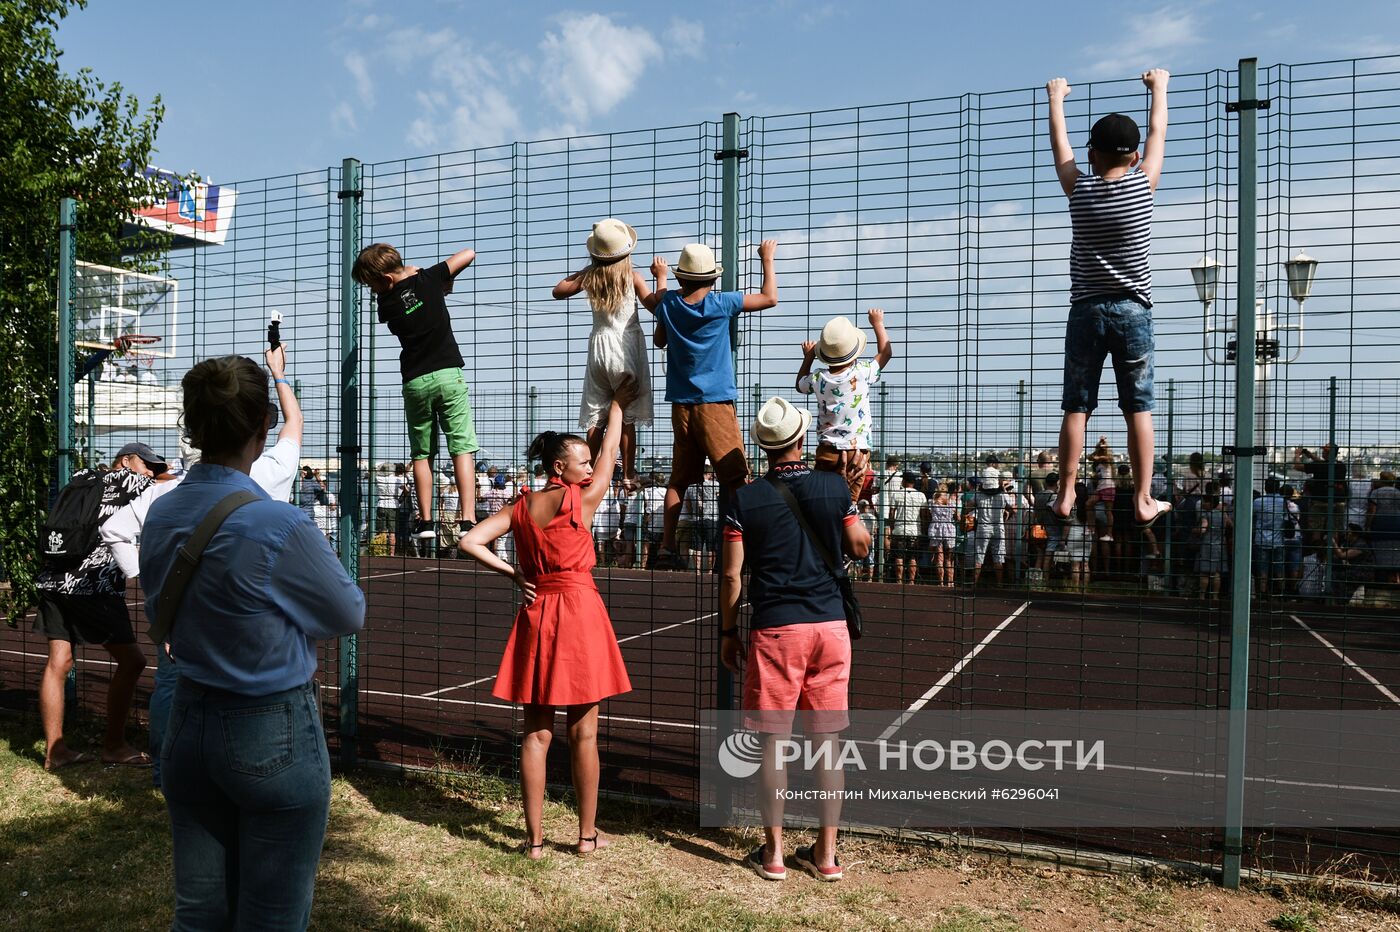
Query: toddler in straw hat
[[694, 322], [617, 347], [844, 424]]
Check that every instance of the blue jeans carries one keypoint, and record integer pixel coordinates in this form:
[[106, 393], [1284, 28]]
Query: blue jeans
[[167, 675], [247, 783], [1103, 327]]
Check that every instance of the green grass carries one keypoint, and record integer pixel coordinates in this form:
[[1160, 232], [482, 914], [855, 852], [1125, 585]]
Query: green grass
[[88, 849]]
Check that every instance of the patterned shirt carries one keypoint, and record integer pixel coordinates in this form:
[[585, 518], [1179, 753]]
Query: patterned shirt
[[843, 404], [1111, 254], [98, 573]]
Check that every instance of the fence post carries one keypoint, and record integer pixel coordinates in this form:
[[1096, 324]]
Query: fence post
[[532, 398], [67, 371], [67, 363], [1331, 526], [1022, 546], [349, 450], [880, 493], [1243, 452], [371, 492], [1167, 474]]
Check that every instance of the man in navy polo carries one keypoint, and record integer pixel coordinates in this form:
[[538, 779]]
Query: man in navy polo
[[799, 653]]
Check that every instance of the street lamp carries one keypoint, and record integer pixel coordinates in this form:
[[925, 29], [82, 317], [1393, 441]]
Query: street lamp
[[1302, 269]]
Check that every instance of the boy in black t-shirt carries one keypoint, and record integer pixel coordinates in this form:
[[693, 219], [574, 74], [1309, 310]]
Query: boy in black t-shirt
[[410, 301]]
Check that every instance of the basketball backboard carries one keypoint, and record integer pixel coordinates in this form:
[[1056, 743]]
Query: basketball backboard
[[111, 303]]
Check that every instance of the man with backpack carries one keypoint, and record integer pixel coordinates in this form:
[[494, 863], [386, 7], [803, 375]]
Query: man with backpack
[[82, 600]]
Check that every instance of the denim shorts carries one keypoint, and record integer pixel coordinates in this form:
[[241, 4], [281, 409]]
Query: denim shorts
[[1099, 328]]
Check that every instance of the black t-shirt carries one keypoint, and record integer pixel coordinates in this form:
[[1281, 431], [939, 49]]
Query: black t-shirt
[[1322, 472], [416, 313], [788, 582]]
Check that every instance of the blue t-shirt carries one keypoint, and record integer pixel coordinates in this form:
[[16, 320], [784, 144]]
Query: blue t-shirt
[[699, 360]]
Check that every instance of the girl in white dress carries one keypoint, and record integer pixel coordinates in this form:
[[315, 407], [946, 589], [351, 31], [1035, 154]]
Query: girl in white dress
[[616, 347]]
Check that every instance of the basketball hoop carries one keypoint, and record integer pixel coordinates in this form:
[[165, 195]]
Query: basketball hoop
[[123, 345]]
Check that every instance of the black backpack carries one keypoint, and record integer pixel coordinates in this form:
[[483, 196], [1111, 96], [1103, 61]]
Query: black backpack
[[70, 532]]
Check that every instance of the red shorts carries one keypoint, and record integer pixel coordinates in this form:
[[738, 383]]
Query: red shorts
[[803, 666]]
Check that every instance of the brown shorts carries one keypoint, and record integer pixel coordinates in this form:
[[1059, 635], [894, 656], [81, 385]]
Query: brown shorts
[[712, 430], [850, 464]]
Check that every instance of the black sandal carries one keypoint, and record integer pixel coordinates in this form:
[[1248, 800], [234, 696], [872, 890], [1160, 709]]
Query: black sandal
[[593, 840], [525, 849]]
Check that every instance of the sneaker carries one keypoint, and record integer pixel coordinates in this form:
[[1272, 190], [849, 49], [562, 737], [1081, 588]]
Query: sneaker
[[754, 862], [1107, 538], [424, 530], [464, 528], [807, 860]]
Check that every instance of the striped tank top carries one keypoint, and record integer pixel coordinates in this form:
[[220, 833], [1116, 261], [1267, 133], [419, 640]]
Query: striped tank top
[[1111, 254]]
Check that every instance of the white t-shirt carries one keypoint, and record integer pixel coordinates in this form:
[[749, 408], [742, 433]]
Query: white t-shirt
[[274, 473], [904, 506], [654, 499], [386, 491], [843, 404], [608, 516]]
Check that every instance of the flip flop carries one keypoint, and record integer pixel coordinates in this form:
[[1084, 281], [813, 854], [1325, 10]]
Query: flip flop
[[137, 759], [1162, 508], [78, 758]]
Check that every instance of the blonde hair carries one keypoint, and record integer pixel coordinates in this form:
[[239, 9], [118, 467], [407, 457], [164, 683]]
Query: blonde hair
[[225, 404], [374, 263], [608, 284]]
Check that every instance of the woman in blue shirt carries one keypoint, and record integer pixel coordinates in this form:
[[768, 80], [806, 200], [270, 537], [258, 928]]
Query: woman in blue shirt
[[245, 767]]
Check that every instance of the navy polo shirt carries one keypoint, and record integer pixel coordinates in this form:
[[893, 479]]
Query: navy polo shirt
[[788, 582]]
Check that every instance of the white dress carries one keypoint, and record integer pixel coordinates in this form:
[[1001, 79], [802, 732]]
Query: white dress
[[617, 347]]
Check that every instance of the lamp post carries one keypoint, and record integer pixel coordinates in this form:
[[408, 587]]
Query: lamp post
[[1269, 347]]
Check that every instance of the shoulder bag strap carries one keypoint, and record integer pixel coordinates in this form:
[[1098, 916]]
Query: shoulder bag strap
[[800, 515], [187, 559]]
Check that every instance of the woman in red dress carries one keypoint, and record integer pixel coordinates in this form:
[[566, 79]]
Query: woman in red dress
[[562, 650]]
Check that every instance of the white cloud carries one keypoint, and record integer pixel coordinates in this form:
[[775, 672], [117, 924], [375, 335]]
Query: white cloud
[[592, 64], [343, 118], [359, 70], [1150, 40], [685, 37]]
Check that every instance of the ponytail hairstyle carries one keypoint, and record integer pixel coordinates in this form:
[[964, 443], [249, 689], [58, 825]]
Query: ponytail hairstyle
[[550, 446], [1081, 502], [606, 284], [225, 404]]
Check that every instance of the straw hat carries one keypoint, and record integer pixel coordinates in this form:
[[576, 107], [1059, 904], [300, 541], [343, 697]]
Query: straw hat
[[698, 264], [611, 239], [780, 424], [841, 342]]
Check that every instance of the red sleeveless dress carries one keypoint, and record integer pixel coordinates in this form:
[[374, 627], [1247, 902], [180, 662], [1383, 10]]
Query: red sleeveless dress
[[562, 649]]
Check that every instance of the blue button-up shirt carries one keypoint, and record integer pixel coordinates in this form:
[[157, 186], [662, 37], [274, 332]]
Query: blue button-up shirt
[[267, 588]]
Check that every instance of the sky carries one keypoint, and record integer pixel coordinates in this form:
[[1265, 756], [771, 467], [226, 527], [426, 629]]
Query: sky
[[261, 88]]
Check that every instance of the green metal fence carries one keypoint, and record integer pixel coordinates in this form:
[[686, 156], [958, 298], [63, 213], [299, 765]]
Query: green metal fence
[[946, 213]]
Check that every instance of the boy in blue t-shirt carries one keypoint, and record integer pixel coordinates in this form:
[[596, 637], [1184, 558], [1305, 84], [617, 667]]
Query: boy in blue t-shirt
[[693, 324]]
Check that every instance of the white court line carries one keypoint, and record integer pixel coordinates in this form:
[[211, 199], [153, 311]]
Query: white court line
[[693, 726], [427, 569], [630, 637], [1348, 661], [105, 663], [948, 677]]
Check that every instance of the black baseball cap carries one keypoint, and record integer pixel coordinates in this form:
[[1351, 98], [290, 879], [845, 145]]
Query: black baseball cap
[[1116, 134], [911, 477], [148, 456]]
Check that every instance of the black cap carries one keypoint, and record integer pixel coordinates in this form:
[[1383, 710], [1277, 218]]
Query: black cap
[[1115, 133], [148, 456], [926, 466], [911, 477]]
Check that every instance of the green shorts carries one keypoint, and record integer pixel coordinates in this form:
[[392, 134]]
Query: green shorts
[[439, 399]]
